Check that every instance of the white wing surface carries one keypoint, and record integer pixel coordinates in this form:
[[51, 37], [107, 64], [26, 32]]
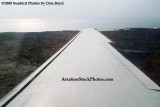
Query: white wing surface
[[86, 72]]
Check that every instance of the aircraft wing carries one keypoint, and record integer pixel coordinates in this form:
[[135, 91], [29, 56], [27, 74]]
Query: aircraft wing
[[86, 72]]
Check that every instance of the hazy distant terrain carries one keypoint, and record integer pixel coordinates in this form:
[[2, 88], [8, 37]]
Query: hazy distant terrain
[[22, 53], [141, 46]]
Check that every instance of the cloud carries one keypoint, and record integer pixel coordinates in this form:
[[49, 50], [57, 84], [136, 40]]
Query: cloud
[[85, 9]]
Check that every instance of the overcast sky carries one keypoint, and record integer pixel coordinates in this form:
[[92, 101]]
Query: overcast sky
[[84, 9]]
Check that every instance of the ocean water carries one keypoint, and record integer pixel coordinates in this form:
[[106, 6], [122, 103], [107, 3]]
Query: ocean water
[[40, 25]]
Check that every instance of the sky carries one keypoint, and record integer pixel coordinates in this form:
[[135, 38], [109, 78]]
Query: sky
[[84, 9]]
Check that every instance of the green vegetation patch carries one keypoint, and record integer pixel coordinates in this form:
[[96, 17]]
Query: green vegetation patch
[[4, 37]]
